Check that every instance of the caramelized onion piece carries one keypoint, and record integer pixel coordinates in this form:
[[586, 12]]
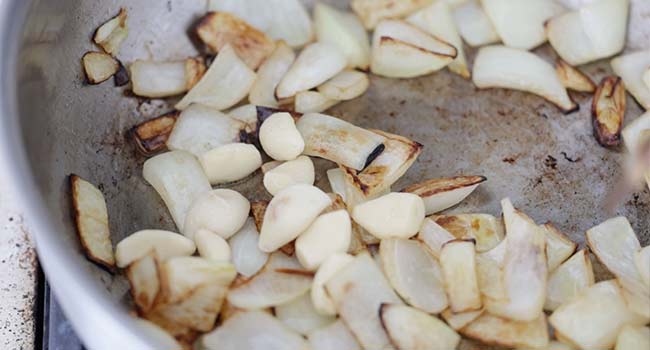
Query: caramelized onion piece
[[608, 111]]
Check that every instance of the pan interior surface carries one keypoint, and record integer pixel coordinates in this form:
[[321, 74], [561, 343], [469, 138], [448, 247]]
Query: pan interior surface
[[548, 163]]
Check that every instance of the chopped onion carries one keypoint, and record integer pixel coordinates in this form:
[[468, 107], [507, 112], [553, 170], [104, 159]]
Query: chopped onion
[[230, 162], [281, 280], [218, 29], [490, 275], [568, 280], [336, 336], [633, 338], [110, 35], [458, 321], [608, 111], [336, 178], [179, 179], [434, 236], [270, 74], [226, 82], [630, 68], [458, 263], [414, 273], [633, 133], [300, 315], [152, 331], [91, 220], [212, 246], [200, 129], [246, 256], [345, 31], [371, 12], [474, 25], [358, 291], [181, 275], [346, 85], [222, 211], [165, 244], [163, 79], [520, 23], [150, 136], [572, 78], [512, 334], [594, 318], [317, 63], [339, 141], [412, 329], [444, 193], [286, 20], [594, 31], [143, 276], [312, 102], [524, 268], [401, 50], [558, 246], [437, 20], [323, 304], [486, 230], [509, 68], [246, 114], [253, 330], [99, 66]]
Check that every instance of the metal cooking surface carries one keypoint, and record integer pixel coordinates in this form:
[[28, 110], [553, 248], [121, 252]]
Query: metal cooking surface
[[548, 163]]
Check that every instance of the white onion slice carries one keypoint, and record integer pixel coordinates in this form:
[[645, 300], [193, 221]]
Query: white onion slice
[[401, 50], [319, 297], [437, 20], [642, 260], [293, 172], [336, 336], [410, 328], [458, 263], [414, 273], [358, 291], [378, 176], [316, 64], [337, 140], [474, 25], [336, 178], [434, 236], [286, 20], [269, 75], [633, 338], [594, 31], [246, 114], [458, 321], [300, 315], [486, 230], [143, 276], [181, 275], [91, 221], [166, 245], [179, 179], [99, 66], [371, 12], [490, 275], [345, 31], [346, 85], [226, 82], [558, 246], [630, 67], [312, 102], [253, 330], [246, 256], [494, 330], [200, 129], [163, 79], [444, 193], [222, 211], [212, 246], [520, 23], [230, 162], [509, 68], [524, 268], [593, 319], [281, 280], [568, 280]]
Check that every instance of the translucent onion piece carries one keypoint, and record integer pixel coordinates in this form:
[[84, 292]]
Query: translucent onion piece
[[226, 82], [372, 12], [300, 315], [110, 35], [434, 236], [165, 244], [410, 328], [269, 75], [414, 273], [458, 263], [358, 291], [630, 67], [163, 79], [490, 275], [143, 276], [312, 102], [336, 179], [345, 31], [182, 274], [459, 320], [486, 230], [212, 246], [494, 330], [558, 246], [321, 300], [444, 193], [246, 256], [568, 280], [474, 25], [336, 336], [222, 211], [633, 338], [253, 330], [99, 66], [281, 280]]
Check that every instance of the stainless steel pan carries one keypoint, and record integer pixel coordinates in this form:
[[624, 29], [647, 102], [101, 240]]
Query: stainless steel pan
[[53, 124]]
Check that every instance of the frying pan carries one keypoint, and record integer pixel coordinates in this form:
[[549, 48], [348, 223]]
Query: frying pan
[[52, 124]]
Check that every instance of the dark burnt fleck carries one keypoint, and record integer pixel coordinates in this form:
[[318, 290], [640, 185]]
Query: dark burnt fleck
[[509, 160], [550, 162], [569, 159], [374, 154], [121, 77]]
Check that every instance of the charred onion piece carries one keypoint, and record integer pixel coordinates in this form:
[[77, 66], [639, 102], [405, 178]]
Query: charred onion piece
[[150, 136], [111, 34], [372, 11], [217, 29], [99, 67], [608, 111], [572, 78], [163, 79], [440, 194]]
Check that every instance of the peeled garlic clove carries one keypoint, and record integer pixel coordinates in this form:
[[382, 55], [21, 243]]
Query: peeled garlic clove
[[226, 82], [279, 137], [316, 64], [346, 85], [269, 76], [458, 262], [231, 162], [212, 246], [178, 178], [220, 211], [395, 215], [328, 234], [290, 213], [319, 297], [165, 244], [345, 31], [312, 102], [293, 172], [434, 236], [474, 25]]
